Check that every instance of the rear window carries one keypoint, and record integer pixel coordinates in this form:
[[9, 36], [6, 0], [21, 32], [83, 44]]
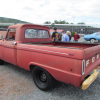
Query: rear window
[[36, 33]]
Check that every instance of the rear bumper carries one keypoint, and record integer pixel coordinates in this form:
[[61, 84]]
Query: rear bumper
[[91, 78]]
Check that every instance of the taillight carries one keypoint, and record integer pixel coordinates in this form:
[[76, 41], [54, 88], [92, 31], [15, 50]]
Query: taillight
[[83, 67]]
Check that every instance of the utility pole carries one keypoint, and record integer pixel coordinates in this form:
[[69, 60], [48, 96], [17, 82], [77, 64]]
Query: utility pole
[[20, 20], [73, 24]]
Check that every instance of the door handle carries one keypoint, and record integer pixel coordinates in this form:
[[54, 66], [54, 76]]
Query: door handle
[[14, 43]]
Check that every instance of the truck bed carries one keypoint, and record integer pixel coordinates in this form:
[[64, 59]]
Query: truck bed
[[66, 44], [74, 56]]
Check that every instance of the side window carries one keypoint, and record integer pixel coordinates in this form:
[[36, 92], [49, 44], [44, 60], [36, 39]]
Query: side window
[[11, 35]]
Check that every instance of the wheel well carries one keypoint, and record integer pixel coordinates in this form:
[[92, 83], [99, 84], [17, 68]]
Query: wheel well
[[92, 38], [32, 67]]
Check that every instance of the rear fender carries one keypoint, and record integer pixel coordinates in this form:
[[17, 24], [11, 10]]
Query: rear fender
[[34, 64]]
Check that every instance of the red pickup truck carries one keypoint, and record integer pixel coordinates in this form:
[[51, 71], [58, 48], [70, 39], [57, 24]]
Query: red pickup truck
[[30, 47]]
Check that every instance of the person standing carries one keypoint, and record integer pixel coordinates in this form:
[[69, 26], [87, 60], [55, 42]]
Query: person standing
[[70, 36], [59, 36], [55, 35], [76, 37], [65, 37]]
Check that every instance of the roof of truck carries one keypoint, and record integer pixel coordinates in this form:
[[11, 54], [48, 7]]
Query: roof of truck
[[21, 25]]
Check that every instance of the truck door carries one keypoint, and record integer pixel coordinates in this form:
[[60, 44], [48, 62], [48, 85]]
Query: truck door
[[9, 47]]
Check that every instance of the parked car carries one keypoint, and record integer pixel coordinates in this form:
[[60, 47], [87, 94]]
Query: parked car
[[93, 37]]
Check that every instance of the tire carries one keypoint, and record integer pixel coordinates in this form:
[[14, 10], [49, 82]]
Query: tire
[[42, 79], [92, 40], [1, 62]]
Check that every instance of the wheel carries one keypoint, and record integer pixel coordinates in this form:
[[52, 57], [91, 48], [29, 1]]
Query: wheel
[[92, 40], [42, 79], [1, 62]]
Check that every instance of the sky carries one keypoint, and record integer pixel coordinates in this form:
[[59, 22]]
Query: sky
[[40, 11]]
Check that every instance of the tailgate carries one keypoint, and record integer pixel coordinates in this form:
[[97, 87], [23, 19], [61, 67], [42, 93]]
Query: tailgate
[[92, 59]]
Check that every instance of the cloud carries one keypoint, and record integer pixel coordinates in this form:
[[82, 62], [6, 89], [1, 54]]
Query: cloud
[[28, 8], [39, 11]]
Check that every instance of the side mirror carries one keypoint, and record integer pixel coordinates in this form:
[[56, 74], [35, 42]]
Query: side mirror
[[1, 36]]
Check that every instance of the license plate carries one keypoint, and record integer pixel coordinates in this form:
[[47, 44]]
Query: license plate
[[96, 40]]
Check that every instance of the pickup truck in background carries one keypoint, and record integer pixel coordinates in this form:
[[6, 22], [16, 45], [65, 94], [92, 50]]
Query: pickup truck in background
[[30, 47]]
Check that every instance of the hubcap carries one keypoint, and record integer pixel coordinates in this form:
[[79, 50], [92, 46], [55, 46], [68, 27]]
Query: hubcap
[[92, 40], [42, 77]]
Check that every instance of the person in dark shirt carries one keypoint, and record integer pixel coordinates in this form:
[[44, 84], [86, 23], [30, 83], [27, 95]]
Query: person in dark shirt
[[70, 37], [55, 35], [76, 37], [59, 36]]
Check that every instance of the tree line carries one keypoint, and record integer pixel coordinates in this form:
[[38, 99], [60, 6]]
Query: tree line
[[61, 22], [11, 20]]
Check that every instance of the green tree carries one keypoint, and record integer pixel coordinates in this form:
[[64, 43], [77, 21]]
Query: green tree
[[67, 23], [64, 22], [60, 22], [72, 33], [52, 25], [47, 22], [56, 22], [81, 23]]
